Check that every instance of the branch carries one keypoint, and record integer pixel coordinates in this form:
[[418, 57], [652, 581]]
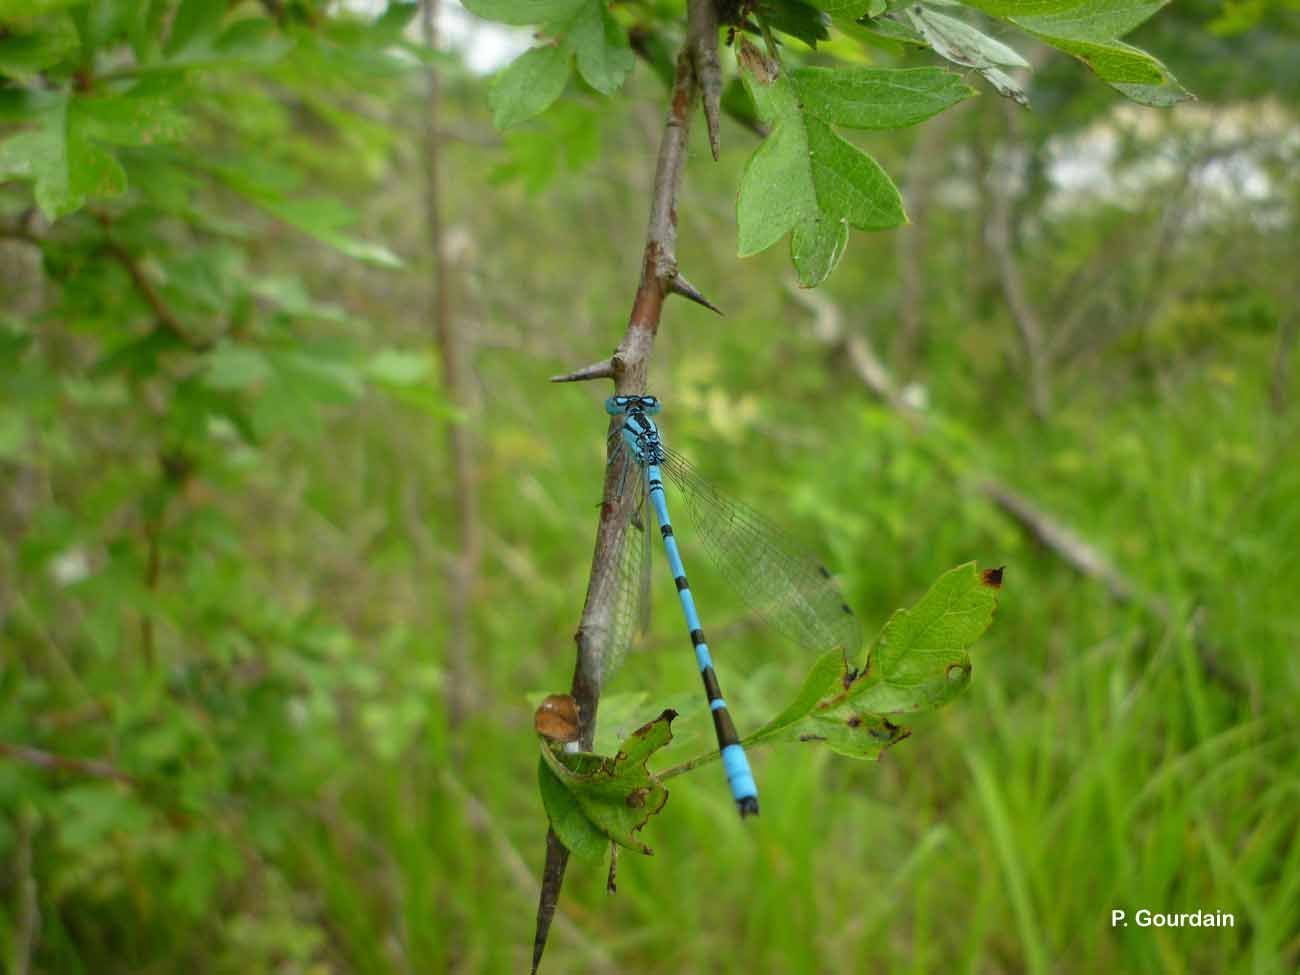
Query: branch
[[1049, 531], [702, 44], [466, 546], [924, 168], [649, 47], [28, 920], [604, 369], [628, 367], [162, 312], [64, 763]]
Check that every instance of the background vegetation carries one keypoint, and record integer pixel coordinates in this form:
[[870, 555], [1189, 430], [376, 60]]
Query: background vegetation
[[236, 734]]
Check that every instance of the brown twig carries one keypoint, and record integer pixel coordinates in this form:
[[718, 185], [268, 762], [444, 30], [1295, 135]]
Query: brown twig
[[628, 367], [644, 41], [162, 312], [28, 920], [924, 167], [65, 763], [466, 542]]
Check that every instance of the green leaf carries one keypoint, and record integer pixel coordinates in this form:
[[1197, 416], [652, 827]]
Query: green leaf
[[1090, 30], [592, 799], [66, 167], [391, 24], [878, 98], [872, 29], [397, 368], [919, 662], [236, 367], [132, 120], [323, 218], [957, 41], [796, 18], [522, 13], [22, 11], [25, 53], [569, 137], [197, 23], [63, 156], [805, 178], [529, 86], [603, 54]]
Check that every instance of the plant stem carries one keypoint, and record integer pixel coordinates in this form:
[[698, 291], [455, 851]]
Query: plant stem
[[628, 367]]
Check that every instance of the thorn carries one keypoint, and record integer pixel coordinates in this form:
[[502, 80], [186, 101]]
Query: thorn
[[702, 27], [597, 370], [680, 286], [712, 97]]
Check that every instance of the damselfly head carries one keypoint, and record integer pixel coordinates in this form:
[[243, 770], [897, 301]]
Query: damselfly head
[[618, 405]]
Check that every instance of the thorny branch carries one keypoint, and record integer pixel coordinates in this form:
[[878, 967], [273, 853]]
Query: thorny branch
[[628, 367]]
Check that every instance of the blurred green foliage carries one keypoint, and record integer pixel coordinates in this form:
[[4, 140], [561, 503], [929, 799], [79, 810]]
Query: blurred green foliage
[[224, 501]]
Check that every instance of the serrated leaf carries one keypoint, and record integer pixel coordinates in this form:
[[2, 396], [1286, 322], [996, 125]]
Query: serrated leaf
[[529, 85], [65, 165], [957, 41], [592, 799], [603, 55], [805, 179], [919, 662], [1090, 30]]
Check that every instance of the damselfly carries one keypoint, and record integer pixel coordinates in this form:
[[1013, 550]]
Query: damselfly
[[791, 590]]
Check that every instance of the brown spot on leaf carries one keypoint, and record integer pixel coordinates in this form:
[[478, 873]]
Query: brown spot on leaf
[[666, 715], [992, 577], [556, 718], [854, 721], [762, 68]]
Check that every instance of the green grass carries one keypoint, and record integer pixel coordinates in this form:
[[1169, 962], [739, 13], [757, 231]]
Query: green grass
[[317, 813]]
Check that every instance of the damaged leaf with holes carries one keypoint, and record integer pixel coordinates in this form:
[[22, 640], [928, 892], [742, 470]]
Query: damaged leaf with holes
[[919, 662], [593, 799]]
